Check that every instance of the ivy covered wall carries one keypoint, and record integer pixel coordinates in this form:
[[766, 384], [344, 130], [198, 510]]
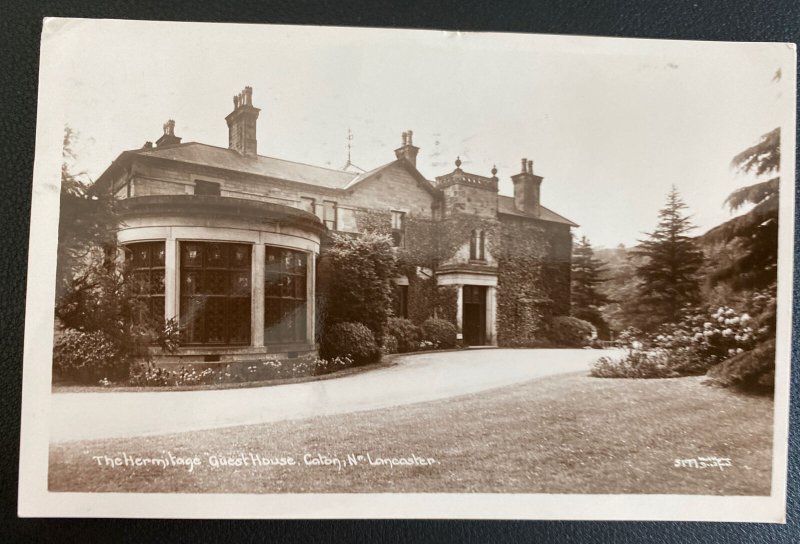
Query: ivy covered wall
[[531, 259]]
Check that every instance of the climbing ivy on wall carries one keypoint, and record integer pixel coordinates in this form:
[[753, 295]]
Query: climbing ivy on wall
[[533, 269]]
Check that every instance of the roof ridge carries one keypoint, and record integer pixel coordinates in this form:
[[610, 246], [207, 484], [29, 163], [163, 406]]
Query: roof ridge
[[259, 156]]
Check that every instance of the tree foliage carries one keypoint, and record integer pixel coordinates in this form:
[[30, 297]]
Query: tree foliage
[[356, 279], [95, 299], [86, 222], [668, 274], [588, 274], [751, 239]]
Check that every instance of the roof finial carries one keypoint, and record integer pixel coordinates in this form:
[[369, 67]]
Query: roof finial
[[458, 161], [494, 170], [349, 143]]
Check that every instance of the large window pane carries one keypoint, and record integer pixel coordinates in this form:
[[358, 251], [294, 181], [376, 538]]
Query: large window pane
[[285, 304], [145, 262], [215, 293]]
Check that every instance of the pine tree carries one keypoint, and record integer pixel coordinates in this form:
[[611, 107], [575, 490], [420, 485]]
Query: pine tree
[[587, 275], [668, 275], [753, 235]]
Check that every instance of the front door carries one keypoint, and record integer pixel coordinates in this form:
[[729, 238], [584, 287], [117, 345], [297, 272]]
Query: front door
[[474, 321]]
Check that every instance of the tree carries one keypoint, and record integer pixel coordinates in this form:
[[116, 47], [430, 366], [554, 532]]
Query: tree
[[668, 274], [587, 276], [752, 238], [745, 251], [103, 325], [355, 279], [87, 223]]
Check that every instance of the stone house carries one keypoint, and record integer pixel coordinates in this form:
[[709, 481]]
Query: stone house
[[228, 241]]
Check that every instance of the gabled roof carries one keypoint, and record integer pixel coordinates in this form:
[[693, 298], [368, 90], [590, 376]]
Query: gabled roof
[[228, 159], [505, 204], [424, 183]]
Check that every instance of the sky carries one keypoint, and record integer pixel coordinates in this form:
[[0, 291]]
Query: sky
[[611, 124]]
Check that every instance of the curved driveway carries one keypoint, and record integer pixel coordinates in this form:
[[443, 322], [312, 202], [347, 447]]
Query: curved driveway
[[414, 378]]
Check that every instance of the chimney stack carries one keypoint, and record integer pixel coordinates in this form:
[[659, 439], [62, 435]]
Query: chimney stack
[[242, 124], [527, 190], [408, 151], [168, 138]]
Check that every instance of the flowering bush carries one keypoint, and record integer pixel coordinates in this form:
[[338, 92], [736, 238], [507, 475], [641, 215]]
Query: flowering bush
[[702, 340], [688, 348], [637, 364], [440, 333]]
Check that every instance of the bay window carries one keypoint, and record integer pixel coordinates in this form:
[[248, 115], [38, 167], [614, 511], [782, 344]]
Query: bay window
[[285, 299], [215, 292]]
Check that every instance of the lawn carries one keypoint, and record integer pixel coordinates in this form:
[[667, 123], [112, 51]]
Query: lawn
[[561, 434]]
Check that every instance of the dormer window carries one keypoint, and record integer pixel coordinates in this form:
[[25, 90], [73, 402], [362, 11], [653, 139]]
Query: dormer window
[[398, 229], [477, 244], [206, 188]]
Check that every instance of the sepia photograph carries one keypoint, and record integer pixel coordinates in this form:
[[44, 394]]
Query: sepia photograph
[[318, 272]]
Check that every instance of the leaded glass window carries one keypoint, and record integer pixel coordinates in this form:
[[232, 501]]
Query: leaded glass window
[[285, 304], [145, 266], [215, 292]]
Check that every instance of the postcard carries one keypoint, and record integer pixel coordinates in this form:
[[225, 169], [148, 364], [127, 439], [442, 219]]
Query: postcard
[[317, 272]]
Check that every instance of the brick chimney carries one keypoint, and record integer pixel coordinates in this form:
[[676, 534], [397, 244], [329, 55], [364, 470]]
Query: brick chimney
[[527, 187], [168, 138], [242, 124], [408, 151]]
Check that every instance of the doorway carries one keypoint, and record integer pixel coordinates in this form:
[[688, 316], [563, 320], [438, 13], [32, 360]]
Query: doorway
[[474, 316]]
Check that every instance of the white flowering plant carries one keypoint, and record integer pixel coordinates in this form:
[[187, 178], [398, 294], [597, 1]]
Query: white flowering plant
[[699, 341]]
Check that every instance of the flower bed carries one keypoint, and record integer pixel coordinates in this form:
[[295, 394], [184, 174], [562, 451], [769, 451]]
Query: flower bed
[[147, 374]]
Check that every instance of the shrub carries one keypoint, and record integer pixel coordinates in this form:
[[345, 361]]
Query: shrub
[[389, 344], [442, 334], [405, 333], [635, 364], [571, 332], [751, 370], [352, 340], [88, 357], [355, 278]]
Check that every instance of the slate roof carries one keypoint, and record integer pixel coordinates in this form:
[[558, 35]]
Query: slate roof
[[219, 157], [505, 204]]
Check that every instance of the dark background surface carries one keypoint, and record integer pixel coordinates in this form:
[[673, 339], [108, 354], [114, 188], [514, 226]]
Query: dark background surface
[[20, 27]]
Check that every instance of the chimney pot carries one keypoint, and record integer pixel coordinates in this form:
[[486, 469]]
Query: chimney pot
[[530, 167], [168, 137], [524, 165], [407, 150], [242, 124]]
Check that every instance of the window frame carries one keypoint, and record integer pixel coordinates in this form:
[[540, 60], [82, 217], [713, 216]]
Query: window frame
[[329, 206], [236, 308], [276, 296], [398, 228], [477, 245], [155, 300]]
